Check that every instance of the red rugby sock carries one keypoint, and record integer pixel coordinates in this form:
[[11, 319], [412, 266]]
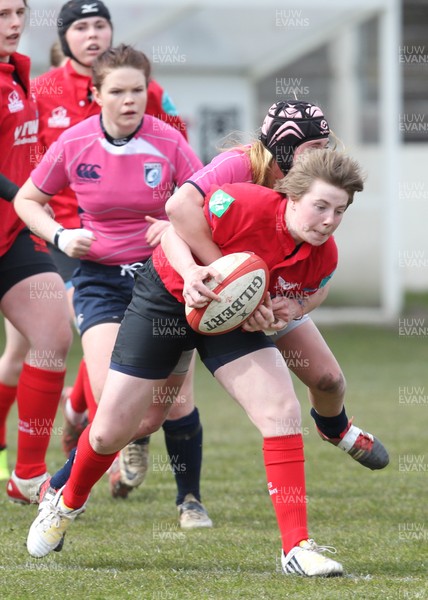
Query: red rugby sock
[[38, 396], [284, 463], [7, 398], [77, 396], [89, 397], [88, 468]]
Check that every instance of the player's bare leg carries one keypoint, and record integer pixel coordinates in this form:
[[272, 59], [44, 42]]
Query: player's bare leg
[[312, 361]]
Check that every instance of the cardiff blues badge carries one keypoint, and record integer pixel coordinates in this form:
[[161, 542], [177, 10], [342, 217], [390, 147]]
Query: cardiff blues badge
[[152, 174]]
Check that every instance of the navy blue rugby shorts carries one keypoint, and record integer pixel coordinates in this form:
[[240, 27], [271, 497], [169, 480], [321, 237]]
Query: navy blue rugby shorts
[[101, 294]]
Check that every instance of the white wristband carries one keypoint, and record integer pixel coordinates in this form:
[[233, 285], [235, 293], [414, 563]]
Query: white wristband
[[65, 236]]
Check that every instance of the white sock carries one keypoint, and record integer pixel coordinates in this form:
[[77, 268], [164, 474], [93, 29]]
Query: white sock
[[75, 418]]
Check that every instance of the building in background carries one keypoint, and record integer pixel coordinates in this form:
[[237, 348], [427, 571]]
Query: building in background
[[364, 61]]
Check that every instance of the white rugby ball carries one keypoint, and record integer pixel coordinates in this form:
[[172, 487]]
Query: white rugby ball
[[245, 283]]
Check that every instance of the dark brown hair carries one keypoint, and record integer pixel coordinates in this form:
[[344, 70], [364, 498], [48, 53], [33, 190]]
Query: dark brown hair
[[114, 58]]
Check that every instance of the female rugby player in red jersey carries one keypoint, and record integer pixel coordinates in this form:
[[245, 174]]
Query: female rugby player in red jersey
[[288, 129], [32, 294], [293, 234]]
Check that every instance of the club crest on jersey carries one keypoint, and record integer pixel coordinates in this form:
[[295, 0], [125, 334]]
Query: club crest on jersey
[[284, 287], [152, 174], [15, 104], [59, 119]]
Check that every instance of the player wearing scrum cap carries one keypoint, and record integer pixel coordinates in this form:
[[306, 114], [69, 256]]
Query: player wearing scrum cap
[[289, 128]]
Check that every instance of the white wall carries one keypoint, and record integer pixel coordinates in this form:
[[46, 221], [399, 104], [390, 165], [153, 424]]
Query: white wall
[[191, 94], [359, 239]]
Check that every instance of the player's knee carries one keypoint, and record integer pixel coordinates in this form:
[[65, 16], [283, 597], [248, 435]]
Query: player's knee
[[104, 443], [153, 424], [331, 383], [54, 342], [65, 339]]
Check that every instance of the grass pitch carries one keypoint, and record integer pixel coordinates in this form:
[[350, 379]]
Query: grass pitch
[[377, 520]]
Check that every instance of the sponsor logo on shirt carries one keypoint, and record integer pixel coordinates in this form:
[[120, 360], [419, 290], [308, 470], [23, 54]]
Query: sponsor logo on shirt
[[26, 133], [152, 174], [59, 118], [220, 202], [283, 287], [15, 102], [286, 285], [88, 172]]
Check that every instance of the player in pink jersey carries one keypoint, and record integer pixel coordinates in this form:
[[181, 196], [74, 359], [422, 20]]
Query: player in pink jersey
[[64, 99], [122, 165], [32, 294], [318, 190], [287, 131]]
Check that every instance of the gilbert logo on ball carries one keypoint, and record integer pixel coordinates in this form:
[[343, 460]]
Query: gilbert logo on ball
[[245, 283]]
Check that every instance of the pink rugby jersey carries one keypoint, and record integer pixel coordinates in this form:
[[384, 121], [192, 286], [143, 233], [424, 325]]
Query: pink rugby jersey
[[118, 186], [232, 166]]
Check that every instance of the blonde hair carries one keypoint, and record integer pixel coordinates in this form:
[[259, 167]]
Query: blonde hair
[[262, 163], [330, 166], [261, 160]]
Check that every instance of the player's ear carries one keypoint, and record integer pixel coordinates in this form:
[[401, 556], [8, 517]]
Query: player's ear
[[96, 96]]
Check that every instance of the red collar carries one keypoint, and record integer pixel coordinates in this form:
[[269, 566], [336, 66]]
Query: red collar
[[20, 63]]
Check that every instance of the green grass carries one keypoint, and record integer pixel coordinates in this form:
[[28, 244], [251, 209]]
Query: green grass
[[133, 548]]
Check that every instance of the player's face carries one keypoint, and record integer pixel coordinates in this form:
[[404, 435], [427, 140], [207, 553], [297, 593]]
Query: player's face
[[88, 38], [123, 100], [317, 214], [12, 19]]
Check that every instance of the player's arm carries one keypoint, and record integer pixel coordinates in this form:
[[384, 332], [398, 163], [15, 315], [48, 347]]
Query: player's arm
[[284, 310], [156, 230], [289, 309], [8, 189], [29, 205], [185, 211], [180, 256]]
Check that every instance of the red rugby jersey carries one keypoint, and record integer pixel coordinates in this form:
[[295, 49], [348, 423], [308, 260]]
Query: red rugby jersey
[[18, 133], [249, 217], [63, 98]]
